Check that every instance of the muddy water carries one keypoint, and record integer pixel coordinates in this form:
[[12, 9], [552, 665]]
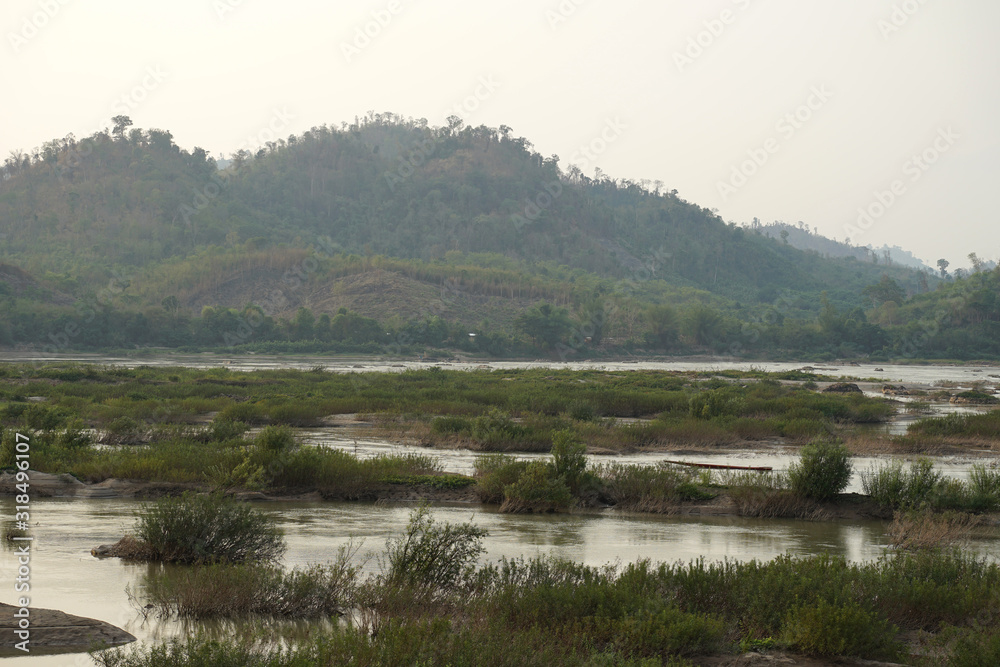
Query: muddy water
[[929, 374], [65, 576]]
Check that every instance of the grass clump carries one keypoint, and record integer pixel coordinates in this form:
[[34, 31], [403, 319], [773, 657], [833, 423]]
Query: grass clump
[[766, 495], [921, 486], [658, 489], [207, 529], [924, 529]]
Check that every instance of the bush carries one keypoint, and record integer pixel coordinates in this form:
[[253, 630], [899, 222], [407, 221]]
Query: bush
[[825, 629], [823, 470], [222, 590], [569, 459], [275, 440], [450, 425], [496, 430], [976, 649], [538, 489], [493, 473], [886, 485], [581, 411], [207, 529], [648, 488], [432, 557]]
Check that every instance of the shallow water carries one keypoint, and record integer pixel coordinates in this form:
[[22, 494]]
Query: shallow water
[[776, 457], [65, 576], [924, 374]]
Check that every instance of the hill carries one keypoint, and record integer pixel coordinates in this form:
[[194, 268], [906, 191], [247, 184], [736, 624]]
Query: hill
[[393, 221]]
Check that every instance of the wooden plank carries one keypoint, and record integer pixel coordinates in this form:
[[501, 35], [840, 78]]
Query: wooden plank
[[719, 466]]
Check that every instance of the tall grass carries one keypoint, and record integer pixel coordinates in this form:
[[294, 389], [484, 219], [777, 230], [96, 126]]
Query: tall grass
[[921, 486], [235, 591]]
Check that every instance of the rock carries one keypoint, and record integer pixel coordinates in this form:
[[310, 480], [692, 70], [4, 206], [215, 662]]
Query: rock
[[43, 484], [843, 388], [127, 548], [879, 369], [50, 627], [891, 390]]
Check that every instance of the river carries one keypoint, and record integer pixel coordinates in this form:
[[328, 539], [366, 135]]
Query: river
[[916, 374], [65, 576]]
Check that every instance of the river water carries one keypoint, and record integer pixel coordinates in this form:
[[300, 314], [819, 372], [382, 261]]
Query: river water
[[922, 374], [65, 576]]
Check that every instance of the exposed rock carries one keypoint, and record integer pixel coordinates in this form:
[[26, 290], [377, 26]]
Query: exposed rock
[[52, 628], [891, 390], [843, 388], [43, 484], [127, 548]]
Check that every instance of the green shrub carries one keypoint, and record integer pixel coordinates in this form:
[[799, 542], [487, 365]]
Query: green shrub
[[220, 431], [208, 528], [824, 629], [432, 557], [496, 430], [569, 459], [581, 411], [248, 413], [648, 488], [493, 473], [537, 489], [450, 425], [976, 649], [275, 440], [823, 470], [886, 485], [233, 591]]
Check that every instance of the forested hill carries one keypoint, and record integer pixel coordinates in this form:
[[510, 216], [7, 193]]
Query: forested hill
[[389, 186], [387, 227]]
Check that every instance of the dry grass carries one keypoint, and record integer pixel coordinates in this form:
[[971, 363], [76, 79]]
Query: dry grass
[[768, 496], [912, 531], [875, 444]]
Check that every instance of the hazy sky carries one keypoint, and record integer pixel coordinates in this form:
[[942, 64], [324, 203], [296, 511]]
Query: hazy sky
[[777, 109]]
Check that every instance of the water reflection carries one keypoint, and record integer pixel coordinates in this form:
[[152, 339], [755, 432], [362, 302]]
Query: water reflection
[[67, 577]]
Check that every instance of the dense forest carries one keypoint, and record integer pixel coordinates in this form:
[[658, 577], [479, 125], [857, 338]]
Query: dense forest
[[389, 236]]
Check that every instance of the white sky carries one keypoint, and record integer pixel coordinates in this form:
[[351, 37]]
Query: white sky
[[227, 69]]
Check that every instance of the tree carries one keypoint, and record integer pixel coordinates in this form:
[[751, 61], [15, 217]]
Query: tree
[[303, 323], [977, 264], [942, 265], [702, 325], [663, 326], [171, 304], [545, 324], [121, 123], [884, 291]]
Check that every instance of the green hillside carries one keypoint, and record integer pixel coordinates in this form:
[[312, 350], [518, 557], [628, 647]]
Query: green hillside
[[447, 229]]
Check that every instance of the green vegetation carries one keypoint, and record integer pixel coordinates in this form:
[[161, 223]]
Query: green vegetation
[[823, 471], [923, 487], [433, 604], [460, 245], [237, 591], [207, 529]]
